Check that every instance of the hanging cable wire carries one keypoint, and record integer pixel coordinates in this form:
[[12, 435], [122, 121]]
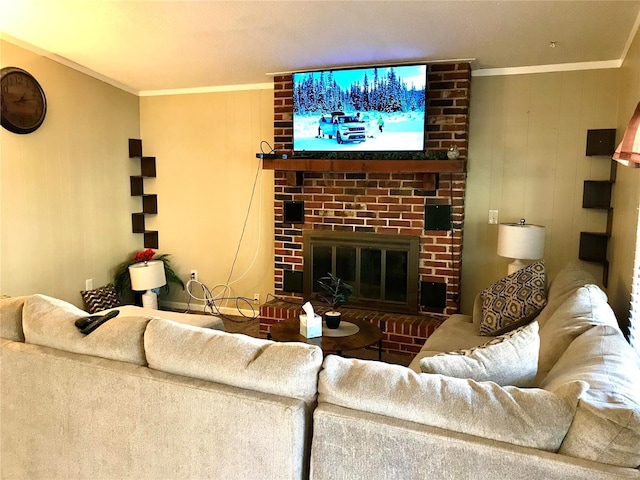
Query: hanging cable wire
[[208, 298], [210, 305]]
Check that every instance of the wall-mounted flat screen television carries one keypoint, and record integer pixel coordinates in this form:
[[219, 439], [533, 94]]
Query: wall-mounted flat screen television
[[378, 109]]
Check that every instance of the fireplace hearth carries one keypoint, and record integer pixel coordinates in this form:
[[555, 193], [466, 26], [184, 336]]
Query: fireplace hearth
[[383, 269]]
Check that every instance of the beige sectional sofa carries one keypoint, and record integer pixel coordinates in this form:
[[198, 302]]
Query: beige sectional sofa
[[149, 398], [579, 419], [146, 397]]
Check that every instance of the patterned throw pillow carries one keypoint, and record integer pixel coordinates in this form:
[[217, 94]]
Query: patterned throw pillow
[[100, 298], [510, 359], [514, 300]]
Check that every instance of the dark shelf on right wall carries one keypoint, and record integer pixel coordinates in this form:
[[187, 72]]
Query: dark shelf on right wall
[[597, 195]]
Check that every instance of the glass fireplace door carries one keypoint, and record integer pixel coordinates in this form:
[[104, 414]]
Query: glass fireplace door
[[383, 273]]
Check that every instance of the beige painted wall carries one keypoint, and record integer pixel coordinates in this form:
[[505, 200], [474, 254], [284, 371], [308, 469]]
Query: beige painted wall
[[205, 146], [65, 188], [527, 159], [626, 193]]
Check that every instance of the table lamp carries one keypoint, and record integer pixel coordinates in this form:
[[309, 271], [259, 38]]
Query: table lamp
[[146, 276], [520, 241]]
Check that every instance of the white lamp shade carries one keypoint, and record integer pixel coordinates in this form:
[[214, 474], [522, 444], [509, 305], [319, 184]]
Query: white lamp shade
[[520, 241], [147, 275]]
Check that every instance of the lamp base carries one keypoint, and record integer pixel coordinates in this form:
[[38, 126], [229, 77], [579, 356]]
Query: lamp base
[[150, 300], [513, 267]]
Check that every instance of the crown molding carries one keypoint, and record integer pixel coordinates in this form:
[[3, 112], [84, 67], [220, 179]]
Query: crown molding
[[630, 39], [560, 67], [66, 62], [221, 88]]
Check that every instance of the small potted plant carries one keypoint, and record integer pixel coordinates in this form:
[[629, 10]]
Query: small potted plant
[[336, 293]]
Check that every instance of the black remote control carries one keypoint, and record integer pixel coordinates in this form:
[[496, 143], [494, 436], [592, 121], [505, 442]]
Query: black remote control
[[89, 324], [84, 321]]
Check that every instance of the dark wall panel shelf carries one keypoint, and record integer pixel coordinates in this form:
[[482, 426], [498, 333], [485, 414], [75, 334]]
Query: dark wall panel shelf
[[150, 204], [593, 246], [596, 194], [151, 239], [137, 185], [135, 148], [601, 142], [148, 166], [149, 201], [137, 221]]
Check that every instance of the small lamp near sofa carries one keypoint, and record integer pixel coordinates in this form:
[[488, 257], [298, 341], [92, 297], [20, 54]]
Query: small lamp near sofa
[[520, 241], [147, 276]]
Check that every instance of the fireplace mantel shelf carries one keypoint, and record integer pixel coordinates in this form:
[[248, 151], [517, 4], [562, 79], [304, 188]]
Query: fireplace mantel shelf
[[430, 168], [367, 166]]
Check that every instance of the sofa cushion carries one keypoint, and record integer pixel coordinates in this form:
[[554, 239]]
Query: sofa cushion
[[456, 332], [529, 417], [569, 279], [586, 307], [50, 322], [510, 359], [100, 298], [606, 428], [287, 369], [563, 285], [514, 300], [11, 318]]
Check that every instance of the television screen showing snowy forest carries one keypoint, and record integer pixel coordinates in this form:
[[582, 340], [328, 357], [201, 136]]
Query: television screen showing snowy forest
[[364, 109]]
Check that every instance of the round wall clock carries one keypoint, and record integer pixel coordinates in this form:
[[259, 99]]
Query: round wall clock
[[24, 105]]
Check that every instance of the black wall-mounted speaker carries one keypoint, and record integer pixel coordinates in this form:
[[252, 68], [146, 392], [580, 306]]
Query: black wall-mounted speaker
[[292, 281], [433, 295], [437, 217], [293, 212]]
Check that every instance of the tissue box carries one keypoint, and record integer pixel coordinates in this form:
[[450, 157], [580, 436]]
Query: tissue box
[[311, 328]]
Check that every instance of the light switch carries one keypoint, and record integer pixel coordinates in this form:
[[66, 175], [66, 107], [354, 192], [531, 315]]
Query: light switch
[[493, 217]]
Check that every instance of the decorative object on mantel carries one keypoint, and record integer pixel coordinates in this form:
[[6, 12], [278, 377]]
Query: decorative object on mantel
[[520, 241], [453, 152], [628, 152], [337, 294], [122, 279]]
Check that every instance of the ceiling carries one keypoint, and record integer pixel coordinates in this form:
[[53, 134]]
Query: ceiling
[[158, 45]]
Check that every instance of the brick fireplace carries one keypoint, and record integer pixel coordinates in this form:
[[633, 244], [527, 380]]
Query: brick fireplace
[[379, 196]]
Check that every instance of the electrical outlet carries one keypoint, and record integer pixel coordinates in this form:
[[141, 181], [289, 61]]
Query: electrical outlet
[[88, 284], [493, 217], [256, 298], [194, 275]]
